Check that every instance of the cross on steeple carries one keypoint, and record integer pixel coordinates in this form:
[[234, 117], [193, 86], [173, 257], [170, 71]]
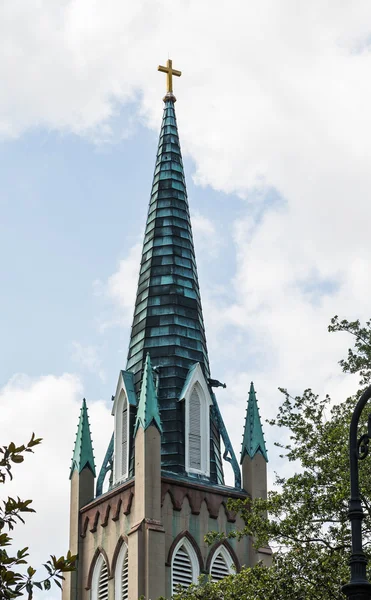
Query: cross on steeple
[[169, 75]]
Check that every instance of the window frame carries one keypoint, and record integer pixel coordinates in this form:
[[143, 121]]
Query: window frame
[[124, 552], [100, 562], [197, 380], [184, 541], [121, 471], [227, 558]]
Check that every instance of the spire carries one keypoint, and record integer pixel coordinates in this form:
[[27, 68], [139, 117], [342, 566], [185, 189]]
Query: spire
[[148, 412], [83, 451], [168, 322], [253, 438]]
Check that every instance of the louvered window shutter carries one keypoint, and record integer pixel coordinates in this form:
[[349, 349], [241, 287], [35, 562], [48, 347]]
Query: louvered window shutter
[[125, 578], [194, 431], [124, 439], [182, 573], [103, 583], [219, 569]]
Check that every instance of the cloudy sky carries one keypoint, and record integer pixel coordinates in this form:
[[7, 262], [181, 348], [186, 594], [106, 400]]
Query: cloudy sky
[[274, 119]]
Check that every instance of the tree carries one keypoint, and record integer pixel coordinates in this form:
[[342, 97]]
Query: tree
[[308, 526], [15, 582]]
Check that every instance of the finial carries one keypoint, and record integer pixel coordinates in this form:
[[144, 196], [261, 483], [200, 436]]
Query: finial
[[169, 79]]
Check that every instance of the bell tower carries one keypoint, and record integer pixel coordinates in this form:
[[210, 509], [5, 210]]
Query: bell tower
[[164, 462]]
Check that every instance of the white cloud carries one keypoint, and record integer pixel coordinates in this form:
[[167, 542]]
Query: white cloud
[[208, 239], [120, 289], [274, 96], [50, 407], [88, 358]]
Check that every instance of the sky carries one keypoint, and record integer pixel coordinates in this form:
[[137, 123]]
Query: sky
[[274, 121]]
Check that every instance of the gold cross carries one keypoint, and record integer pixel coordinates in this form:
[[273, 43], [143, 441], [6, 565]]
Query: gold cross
[[169, 72]]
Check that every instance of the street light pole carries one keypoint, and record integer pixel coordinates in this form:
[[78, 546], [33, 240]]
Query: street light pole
[[359, 587]]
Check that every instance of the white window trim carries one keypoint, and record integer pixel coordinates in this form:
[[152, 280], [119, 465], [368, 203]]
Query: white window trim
[[227, 557], [118, 571], [120, 472], [198, 380], [193, 558], [96, 574]]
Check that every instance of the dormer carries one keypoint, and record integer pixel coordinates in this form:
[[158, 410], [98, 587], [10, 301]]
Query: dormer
[[196, 396], [123, 426]]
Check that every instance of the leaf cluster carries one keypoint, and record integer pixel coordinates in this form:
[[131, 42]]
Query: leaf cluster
[[15, 579], [305, 518]]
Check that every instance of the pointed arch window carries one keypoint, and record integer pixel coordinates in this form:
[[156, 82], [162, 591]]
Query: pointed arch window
[[197, 426], [121, 456], [221, 564], [99, 588], [122, 574], [184, 565], [194, 431]]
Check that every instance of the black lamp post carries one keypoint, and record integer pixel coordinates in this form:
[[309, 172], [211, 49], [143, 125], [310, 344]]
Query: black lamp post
[[359, 587]]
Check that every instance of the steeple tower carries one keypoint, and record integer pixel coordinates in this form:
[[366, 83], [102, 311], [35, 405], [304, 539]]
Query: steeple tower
[[144, 533], [168, 322], [82, 476]]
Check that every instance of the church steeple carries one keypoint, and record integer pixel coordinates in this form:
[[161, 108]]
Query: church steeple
[[253, 438], [168, 322], [143, 536]]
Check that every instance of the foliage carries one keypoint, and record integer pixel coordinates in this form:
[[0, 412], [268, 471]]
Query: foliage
[[308, 527], [15, 582]]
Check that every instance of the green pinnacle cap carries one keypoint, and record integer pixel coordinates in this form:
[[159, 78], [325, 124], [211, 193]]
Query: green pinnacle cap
[[148, 412], [83, 451], [253, 438]]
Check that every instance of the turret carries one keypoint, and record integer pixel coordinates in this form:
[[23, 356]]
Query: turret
[[82, 476], [147, 537], [254, 460]]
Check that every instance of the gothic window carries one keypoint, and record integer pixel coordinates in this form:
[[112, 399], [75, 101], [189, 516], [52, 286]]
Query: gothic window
[[194, 432], [124, 438], [121, 457], [99, 588], [184, 565], [221, 565], [122, 574], [197, 430]]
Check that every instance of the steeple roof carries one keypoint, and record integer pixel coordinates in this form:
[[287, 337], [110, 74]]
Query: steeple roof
[[83, 450], [168, 322], [253, 438], [148, 412]]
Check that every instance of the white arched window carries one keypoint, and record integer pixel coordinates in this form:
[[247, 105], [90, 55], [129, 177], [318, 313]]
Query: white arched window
[[99, 587], [197, 398], [184, 565], [194, 430], [221, 564], [122, 574], [121, 457]]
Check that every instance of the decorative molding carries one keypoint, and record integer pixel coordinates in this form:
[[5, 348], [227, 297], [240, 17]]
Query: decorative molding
[[214, 551], [84, 527], [110, 506], [106, 516], [95, 523], [196, 494], [99, 552], [116, 515]]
